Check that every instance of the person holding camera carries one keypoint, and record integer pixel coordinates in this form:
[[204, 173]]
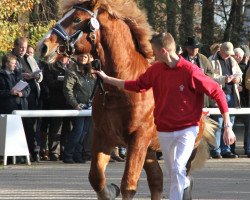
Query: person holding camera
[[77, 89]]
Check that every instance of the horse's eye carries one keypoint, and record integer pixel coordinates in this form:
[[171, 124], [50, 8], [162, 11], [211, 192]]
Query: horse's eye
[[76, 20]]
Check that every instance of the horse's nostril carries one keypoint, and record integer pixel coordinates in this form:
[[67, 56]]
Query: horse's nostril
[[44, 50]]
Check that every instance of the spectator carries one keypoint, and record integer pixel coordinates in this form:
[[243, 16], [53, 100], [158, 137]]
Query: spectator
[[78, 86], [11, 99], [191, 53], [30, 51], [177, 124], [244, 64], [28, 66], [238, 54], [59, 128], [228, 74]]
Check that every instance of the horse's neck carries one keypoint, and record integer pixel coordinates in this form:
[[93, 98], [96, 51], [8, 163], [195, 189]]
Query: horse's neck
[[122, 60]]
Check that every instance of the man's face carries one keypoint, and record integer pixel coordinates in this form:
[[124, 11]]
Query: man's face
[[223, 55], [192, 51], [238, 58], [21, 49]]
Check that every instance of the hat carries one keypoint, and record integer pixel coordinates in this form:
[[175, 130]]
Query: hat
[[246, 50], [228, 48], [192, 42]]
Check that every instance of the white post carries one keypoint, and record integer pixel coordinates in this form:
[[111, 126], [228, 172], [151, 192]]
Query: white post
[[12, 138]]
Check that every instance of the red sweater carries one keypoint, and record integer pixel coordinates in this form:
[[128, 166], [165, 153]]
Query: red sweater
[[178, 93]]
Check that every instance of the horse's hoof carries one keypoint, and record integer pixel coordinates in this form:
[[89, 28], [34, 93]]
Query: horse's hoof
[[117, 189]]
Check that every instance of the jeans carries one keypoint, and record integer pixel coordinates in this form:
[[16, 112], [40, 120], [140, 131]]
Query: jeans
[[220, 147], [74, 146]]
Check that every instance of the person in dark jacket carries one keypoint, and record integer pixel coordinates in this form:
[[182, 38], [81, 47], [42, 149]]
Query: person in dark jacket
[[78, 86], [59, 127], [11, 99], [32, 74]]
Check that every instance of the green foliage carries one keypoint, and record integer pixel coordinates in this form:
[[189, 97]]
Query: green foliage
[[11, 30]]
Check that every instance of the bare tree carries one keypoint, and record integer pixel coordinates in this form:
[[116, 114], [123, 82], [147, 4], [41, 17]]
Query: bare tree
[[187, 15], [234, 24], [172, 15], [207, 25]]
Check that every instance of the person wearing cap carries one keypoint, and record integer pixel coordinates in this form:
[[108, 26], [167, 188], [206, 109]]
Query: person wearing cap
[[228, 74], [191, 53], [244, 64]]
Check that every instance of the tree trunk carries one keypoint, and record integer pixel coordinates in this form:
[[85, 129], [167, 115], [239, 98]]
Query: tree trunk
[[246, 23], [187, 24], [172, 7], [207, 25], [235, 23]]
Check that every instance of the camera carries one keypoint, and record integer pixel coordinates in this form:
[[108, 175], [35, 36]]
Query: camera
[[96, 64]]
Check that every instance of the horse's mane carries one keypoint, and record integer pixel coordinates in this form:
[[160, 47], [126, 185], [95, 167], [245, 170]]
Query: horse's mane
[[128, 11]]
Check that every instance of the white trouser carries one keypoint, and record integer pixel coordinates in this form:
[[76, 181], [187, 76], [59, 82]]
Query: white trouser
[[176, 148]]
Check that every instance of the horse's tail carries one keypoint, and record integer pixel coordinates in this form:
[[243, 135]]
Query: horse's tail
[[205, 138]]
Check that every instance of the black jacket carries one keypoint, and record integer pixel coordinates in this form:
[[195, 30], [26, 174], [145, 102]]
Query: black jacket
[[8, 102]]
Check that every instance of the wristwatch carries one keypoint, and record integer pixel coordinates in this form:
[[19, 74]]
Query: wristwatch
[[228, 125]]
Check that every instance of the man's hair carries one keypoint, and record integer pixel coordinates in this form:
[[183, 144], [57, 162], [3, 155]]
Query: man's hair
[[164, 40], [20, 40], [7, 58]]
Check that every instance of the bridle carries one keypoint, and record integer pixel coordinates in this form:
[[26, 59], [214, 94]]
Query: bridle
[[68, 48]]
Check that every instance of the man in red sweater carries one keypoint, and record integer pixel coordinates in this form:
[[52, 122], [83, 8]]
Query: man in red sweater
[[179, 87]]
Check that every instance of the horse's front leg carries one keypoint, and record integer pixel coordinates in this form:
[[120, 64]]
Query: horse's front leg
[[136, 153], [97, 177], [154, 175]]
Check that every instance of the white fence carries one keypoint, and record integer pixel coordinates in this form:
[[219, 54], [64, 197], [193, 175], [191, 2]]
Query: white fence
[[78, 113], [12, 133]]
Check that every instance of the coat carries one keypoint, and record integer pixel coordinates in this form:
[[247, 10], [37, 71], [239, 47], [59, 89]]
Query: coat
[[219, 78], [8, 102], [78, 87]]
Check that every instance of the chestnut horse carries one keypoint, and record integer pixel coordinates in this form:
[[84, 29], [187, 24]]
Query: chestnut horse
[[116, 32]]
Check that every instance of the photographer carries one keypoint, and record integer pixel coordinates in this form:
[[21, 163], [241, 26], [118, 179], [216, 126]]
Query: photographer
[[77, 89]]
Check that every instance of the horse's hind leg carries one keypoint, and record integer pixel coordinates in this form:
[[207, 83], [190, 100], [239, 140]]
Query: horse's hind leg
[[97, 177], [154, 175]]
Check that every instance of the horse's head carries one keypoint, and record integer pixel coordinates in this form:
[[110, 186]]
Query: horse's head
[[75, 33], [115, 31]]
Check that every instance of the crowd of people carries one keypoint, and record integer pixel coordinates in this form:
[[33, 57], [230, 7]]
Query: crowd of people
[[68, 84]]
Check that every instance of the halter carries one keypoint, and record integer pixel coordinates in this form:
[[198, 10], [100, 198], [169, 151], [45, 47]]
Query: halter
[[68, 48]]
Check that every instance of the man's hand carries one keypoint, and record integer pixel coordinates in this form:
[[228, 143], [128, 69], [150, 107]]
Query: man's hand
[[229, 136], [229, 79]]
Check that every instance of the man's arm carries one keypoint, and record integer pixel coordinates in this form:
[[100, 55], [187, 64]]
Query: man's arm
[[228, 136], [110, 80]]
